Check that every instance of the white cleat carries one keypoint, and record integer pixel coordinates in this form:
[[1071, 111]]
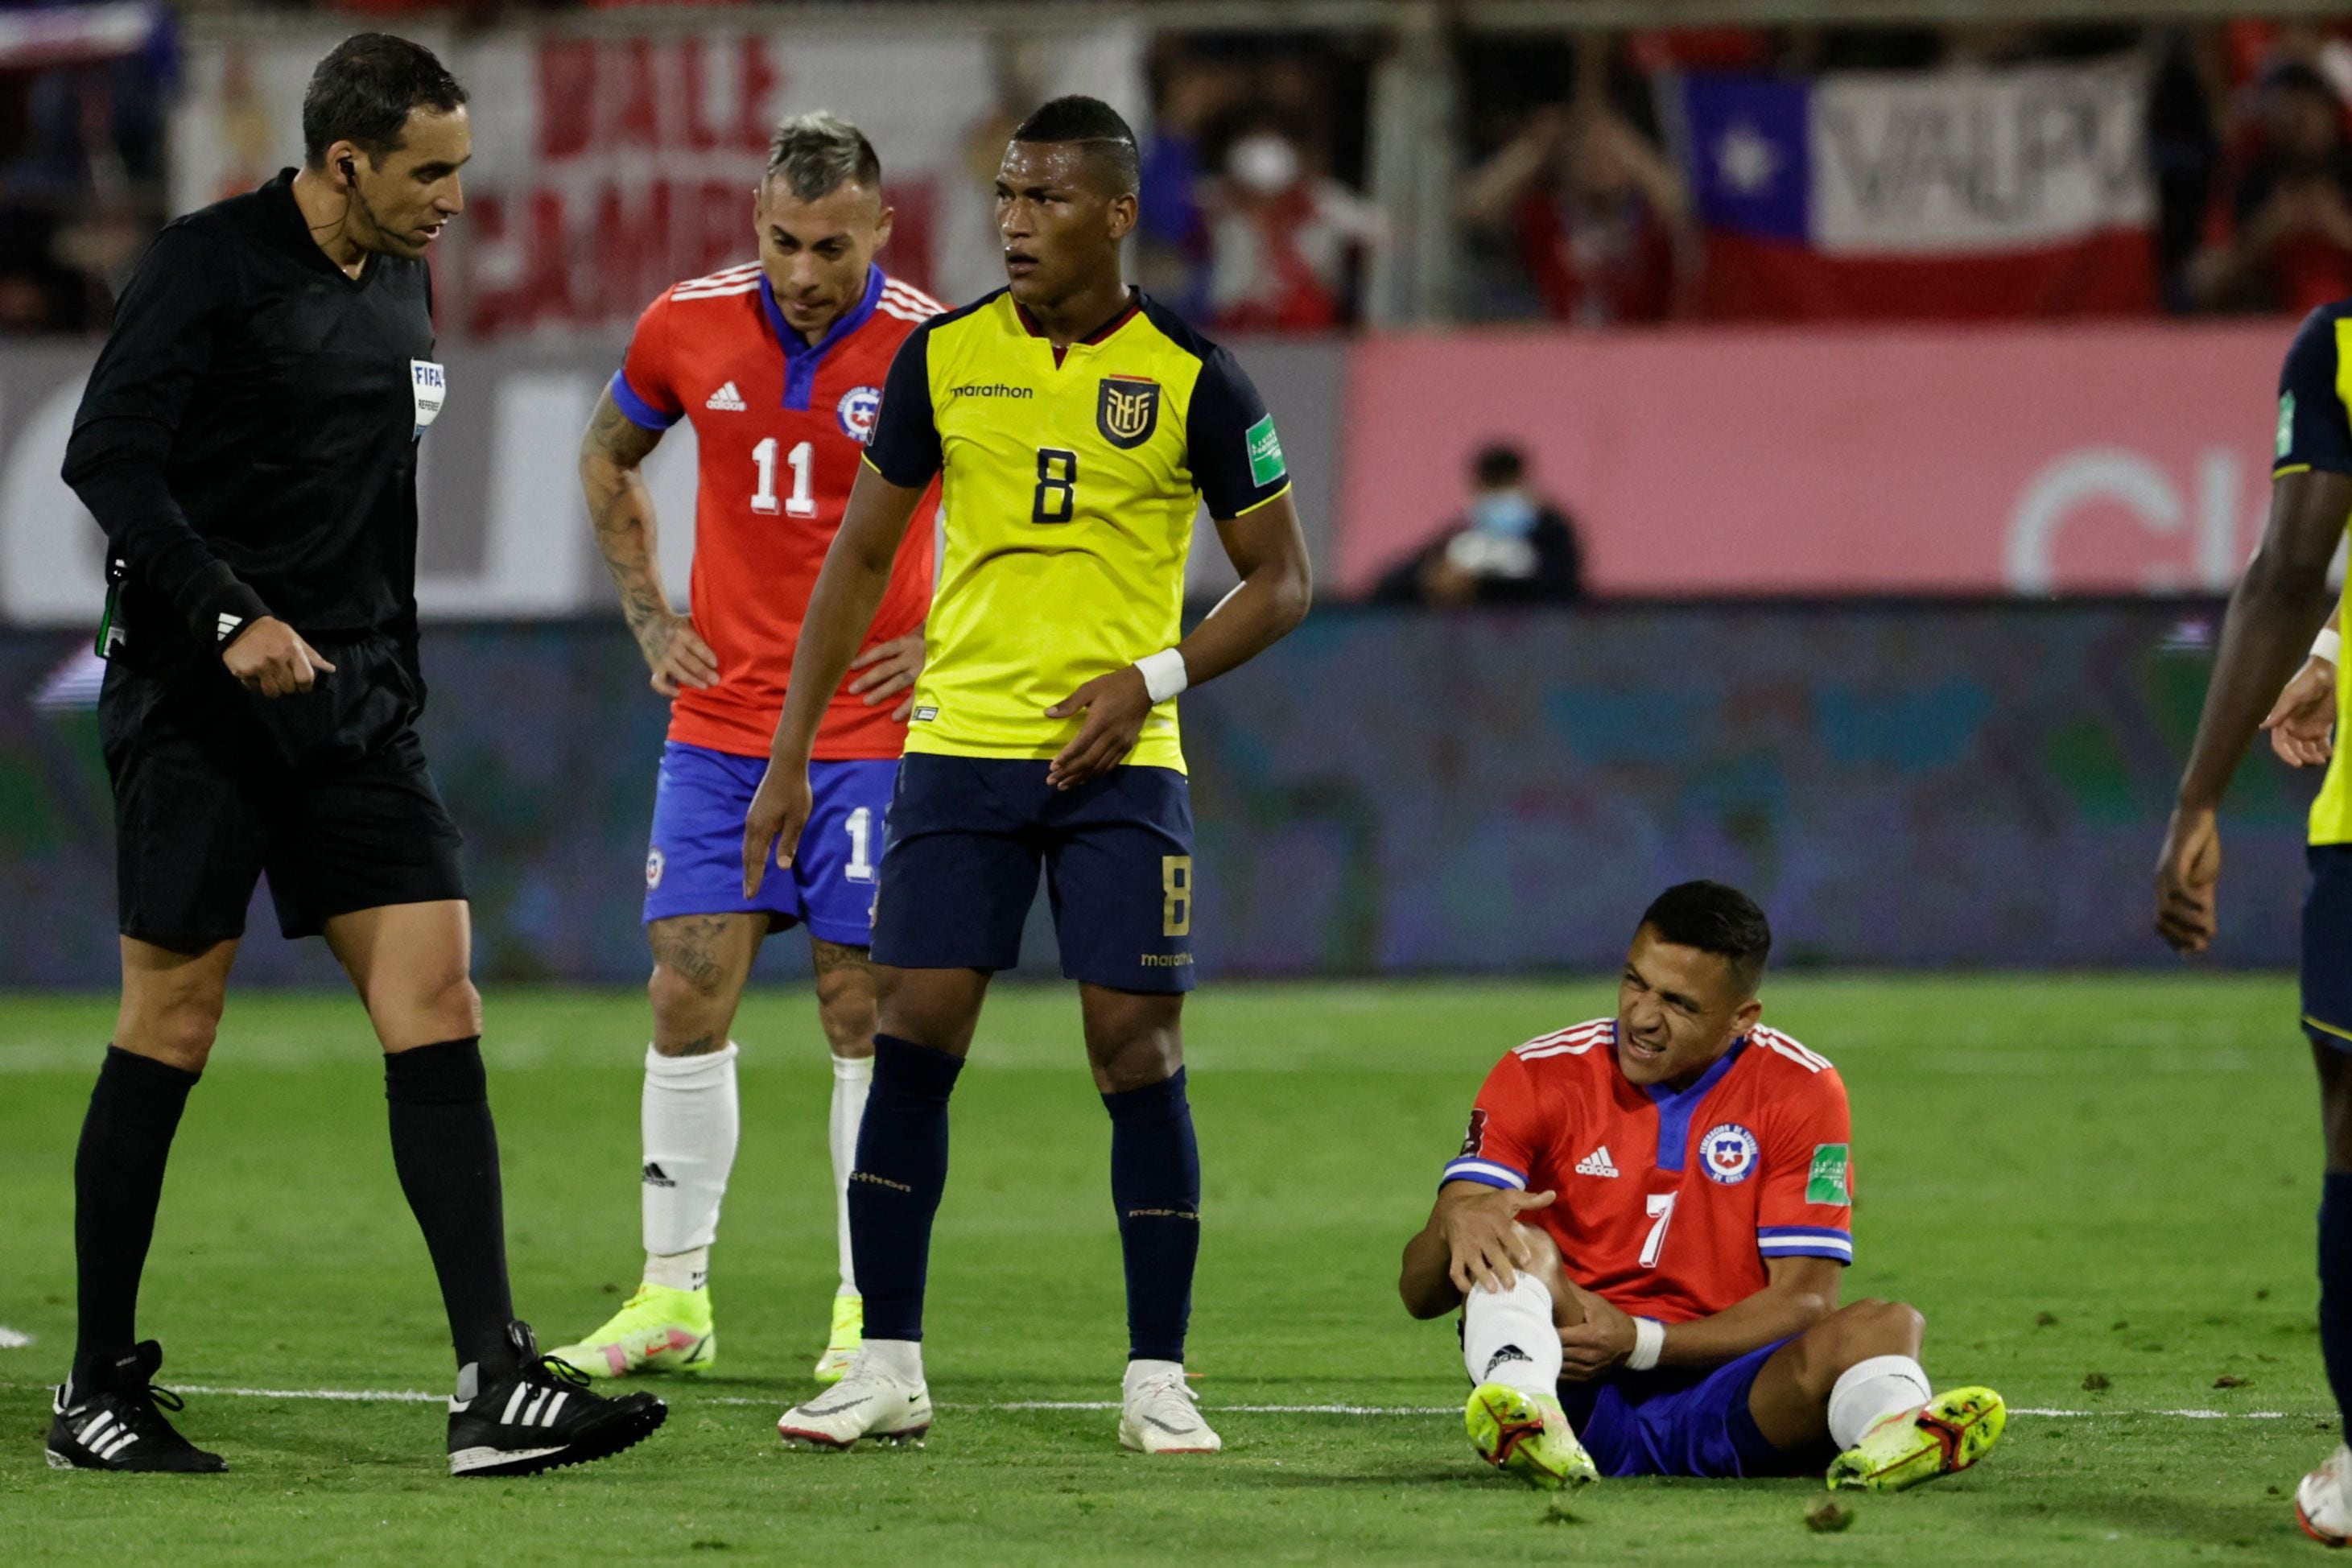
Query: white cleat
[[1158, 1414], [2323, 1499], [867, 1403]]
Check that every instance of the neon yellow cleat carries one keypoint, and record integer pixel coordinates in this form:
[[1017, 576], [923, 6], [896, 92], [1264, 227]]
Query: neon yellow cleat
[[659, 1329], [848, 1334], [1526, 1436], [1942, 1438]]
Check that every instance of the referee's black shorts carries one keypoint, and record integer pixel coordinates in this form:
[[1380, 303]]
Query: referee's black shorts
[[325, 792]]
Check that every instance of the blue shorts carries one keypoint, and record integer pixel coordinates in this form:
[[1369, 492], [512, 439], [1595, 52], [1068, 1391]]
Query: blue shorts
[[2327, 946], [960, 870], [695, 866], [1677, 1421]]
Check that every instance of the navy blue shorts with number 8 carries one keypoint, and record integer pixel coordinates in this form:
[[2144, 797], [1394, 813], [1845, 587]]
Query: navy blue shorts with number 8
[[968, 834]]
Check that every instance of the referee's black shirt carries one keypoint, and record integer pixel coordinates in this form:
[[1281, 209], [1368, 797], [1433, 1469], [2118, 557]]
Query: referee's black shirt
[[249, 435]]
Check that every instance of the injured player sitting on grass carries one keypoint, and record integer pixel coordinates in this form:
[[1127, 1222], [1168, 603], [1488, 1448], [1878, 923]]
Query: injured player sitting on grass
[[1646, 1231]]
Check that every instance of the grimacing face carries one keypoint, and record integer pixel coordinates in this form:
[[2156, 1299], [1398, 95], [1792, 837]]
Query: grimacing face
[[1678, 1011], [1057, 217], [405, 200], [816, 253]]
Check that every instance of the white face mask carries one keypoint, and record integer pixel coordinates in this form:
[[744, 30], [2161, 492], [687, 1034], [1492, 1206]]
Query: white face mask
[[1263, 163]]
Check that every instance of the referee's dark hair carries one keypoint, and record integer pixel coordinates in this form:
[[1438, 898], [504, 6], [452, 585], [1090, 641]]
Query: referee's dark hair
[[364, 91], [1103, 129], [1716, 919]]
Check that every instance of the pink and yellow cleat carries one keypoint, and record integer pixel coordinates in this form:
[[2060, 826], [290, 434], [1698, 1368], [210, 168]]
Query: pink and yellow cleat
[[659, 1329]]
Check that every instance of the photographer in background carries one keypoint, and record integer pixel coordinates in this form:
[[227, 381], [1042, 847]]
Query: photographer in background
[[1511, 546]]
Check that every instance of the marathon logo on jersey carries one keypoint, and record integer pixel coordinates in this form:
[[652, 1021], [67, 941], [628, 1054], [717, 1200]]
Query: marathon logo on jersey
[[1473, 1142], [858, 409], [1830, 1179], [990, 389], [1128, 411], [428, 384], [1728, 1153]]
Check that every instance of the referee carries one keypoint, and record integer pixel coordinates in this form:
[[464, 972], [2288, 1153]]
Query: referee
[[248, 442]]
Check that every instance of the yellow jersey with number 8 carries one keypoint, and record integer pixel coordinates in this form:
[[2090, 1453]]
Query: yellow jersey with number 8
[[1071, 480]]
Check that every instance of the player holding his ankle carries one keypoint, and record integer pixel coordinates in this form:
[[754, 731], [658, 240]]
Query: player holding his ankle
[[1644, 1231]]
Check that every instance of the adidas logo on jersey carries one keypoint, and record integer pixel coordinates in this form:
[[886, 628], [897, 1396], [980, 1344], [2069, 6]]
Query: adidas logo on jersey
[[1597, 1163], [727, 400]]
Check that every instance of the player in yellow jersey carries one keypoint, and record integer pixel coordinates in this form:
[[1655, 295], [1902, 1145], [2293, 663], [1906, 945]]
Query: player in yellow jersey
[[2283, 596], [1079, 425]]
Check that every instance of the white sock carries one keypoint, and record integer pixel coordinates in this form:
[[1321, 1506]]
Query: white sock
[[1508, 1337], [852, 1077], [687, 1270], [902, 1359], [1870, 1391], [690, 1123]]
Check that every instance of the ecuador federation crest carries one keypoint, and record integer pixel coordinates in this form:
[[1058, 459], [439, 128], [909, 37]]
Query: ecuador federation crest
[[1128, 411]]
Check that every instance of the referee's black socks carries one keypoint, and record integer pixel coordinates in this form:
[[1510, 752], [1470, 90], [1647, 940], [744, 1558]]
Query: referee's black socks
[[126, 1139], [447, 1152]]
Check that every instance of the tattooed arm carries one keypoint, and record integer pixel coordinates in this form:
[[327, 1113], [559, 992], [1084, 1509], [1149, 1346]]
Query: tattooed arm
[[621, 507]]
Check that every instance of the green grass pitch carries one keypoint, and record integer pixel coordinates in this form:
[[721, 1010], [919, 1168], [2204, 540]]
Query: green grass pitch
[[2071, 1176]]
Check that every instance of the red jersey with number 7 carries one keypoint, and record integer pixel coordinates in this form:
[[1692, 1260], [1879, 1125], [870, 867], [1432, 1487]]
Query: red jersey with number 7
[[1670, 1204], [780, 426]]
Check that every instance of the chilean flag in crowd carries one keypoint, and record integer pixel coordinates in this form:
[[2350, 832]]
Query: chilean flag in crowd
[[1981, 194]]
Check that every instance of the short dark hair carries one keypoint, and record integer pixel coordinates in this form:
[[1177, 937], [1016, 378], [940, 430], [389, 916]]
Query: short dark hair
[[1102, 128], [1499, 463], [815, 154], [1715, 919], [364, 91]]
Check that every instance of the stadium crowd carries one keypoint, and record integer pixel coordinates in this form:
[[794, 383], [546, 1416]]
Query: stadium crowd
[[1259, 212]]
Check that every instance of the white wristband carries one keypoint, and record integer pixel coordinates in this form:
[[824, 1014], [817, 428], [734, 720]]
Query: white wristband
[[1164, 674], [2327, 644], [1649, 1340]]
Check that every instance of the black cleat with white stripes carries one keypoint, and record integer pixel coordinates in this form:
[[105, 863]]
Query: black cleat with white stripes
[[116, 1423], [540, 1417]]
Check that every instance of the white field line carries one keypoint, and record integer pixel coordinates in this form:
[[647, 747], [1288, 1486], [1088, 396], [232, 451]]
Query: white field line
[[416, 1396]]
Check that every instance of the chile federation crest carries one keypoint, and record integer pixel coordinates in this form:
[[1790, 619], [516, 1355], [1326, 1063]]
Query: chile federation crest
[[1728, 1153]]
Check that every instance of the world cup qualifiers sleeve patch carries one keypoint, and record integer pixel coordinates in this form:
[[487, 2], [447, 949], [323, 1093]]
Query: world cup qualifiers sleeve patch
[[1265, 460], [1827, 1180]]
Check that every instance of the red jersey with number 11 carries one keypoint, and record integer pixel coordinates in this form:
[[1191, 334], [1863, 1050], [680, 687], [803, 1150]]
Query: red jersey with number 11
[[780, 426], [1670, 1204]]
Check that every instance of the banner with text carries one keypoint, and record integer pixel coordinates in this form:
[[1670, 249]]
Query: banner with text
[[2014, 192], [610, 163]]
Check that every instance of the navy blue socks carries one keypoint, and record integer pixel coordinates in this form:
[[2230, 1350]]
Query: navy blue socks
[[895, 1186], [2336, 1287], [447, 1151], [126, 1139], [1155, 1184]]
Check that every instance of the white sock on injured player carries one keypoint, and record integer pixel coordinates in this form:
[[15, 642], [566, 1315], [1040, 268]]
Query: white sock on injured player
[[1870, 1391], [853, 1077], [1508, 1337], [689, 1125]]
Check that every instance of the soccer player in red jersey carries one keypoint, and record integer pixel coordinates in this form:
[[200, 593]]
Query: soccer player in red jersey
[[779, 364], [1644, 1231]]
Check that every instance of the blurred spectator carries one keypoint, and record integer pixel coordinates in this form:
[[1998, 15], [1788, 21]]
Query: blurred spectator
[[2280, 232], [1600, 218], [1512, 546], [1284, 240], [1190, 93]]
